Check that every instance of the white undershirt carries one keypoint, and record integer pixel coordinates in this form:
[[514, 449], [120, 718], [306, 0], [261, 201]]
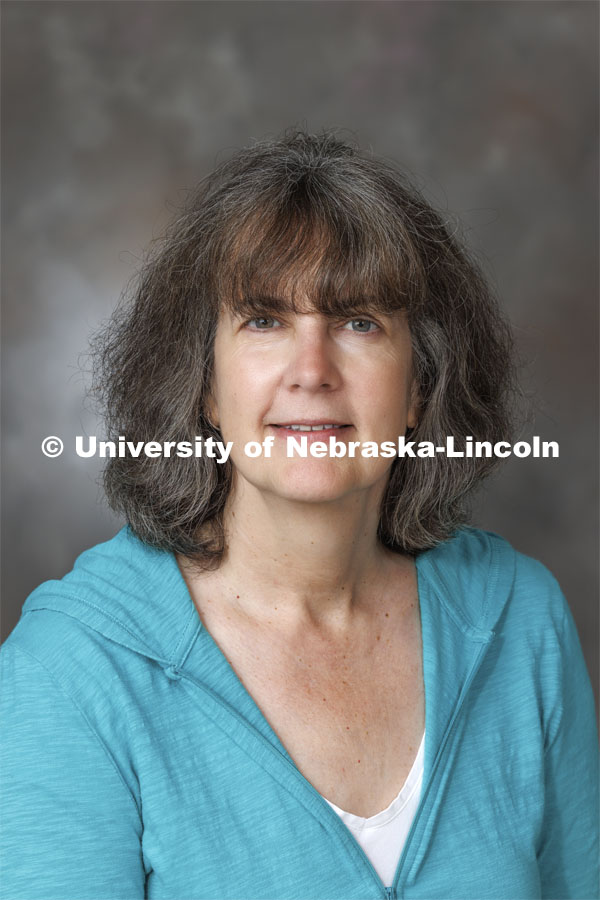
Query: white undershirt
[[383, 835]]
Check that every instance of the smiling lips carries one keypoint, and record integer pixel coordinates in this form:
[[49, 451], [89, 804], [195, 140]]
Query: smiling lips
[[311, 430], [325, 427]]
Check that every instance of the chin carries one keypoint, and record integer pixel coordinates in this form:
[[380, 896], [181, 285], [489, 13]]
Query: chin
[[323, 482], [308, 494]]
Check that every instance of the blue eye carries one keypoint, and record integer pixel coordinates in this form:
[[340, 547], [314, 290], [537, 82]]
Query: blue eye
[[261, 323], [361, 326]]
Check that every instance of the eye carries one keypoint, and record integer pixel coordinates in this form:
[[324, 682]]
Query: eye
[[361, 326], [261, 323]]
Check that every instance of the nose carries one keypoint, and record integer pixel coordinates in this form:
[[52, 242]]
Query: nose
[[312, 364]]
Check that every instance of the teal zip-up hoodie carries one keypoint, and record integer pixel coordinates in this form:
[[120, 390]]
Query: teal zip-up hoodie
[[135, 763]]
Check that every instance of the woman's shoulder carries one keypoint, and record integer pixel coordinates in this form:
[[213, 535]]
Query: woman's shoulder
[[82, 660], [120, 596], [481, 588], [69, 781], [481, 576]]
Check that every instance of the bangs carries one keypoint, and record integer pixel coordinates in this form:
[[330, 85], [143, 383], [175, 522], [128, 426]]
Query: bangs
[[297, 259]]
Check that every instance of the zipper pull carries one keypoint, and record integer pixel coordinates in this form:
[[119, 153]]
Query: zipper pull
[[390, 894]]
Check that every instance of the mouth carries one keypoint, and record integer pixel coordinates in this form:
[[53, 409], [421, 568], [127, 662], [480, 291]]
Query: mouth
[[313, 430], [302, 426]]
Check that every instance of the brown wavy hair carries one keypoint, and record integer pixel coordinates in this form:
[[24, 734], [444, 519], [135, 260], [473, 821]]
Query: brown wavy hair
[[309, 211]]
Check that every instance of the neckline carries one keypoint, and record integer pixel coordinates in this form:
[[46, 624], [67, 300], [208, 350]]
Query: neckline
[[386, 815], [259, 720]]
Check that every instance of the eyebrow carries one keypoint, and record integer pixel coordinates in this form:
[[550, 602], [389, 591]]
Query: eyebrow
[[260, 303]]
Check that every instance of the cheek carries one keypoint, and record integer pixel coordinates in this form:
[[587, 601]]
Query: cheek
[[228, 378], [245, 389], [386, 392]]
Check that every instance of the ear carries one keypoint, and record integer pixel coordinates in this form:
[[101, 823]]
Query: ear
[[211, 411], [414, 407]]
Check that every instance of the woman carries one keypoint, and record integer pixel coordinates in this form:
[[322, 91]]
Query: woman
[[301, 676]]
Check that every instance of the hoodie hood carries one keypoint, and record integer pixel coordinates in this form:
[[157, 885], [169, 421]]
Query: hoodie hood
[[128, 591]]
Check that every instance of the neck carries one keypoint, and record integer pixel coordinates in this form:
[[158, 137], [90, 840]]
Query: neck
[[310, 565]]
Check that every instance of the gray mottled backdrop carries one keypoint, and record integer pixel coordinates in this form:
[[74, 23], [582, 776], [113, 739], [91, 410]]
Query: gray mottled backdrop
[[112, 108]]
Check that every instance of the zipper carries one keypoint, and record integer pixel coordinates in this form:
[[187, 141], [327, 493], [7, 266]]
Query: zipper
[[395, 890]]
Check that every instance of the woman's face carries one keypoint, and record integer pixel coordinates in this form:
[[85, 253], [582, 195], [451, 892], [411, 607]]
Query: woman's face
[[305, 369]]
